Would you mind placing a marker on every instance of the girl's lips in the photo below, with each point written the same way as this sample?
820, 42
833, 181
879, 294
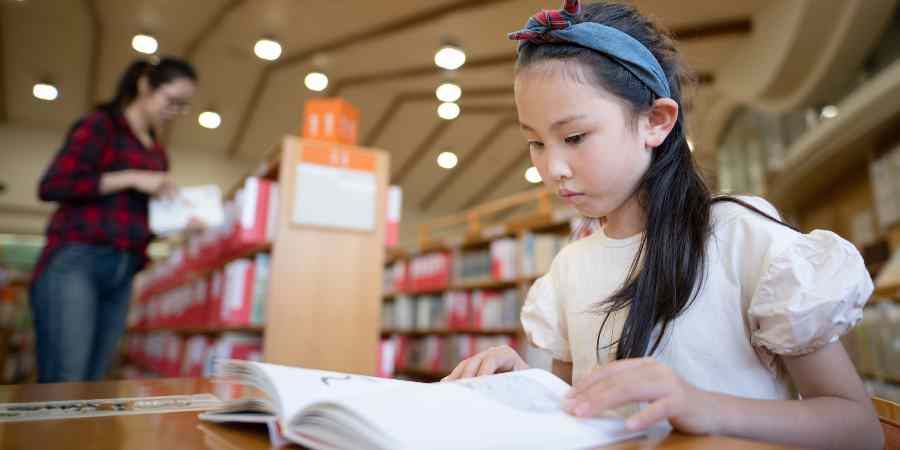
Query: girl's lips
568, 194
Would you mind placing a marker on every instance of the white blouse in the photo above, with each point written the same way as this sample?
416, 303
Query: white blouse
768, 290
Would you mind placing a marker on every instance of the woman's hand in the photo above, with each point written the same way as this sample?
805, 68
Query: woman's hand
619, 383
154, 183
493, 360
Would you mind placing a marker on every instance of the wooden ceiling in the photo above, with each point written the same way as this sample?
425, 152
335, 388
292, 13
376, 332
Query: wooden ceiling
378, 55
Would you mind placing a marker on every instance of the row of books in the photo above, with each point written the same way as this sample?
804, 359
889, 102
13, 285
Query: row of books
233, 296
505, 259
873, 344
885, 174
454, 310
17, 345
173, 355
251, 220
436, 354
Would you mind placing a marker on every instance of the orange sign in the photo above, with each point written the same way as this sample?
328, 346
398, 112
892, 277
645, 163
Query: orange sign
345, 158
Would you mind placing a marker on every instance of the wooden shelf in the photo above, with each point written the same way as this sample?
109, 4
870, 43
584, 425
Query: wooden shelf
471, 285
448, 332
891, 291
878, 300
485, 284
19, 283
394, 254
881, 377
422, 374
200, 330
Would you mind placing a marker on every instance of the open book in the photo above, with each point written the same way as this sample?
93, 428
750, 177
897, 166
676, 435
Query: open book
327, 410
172, 215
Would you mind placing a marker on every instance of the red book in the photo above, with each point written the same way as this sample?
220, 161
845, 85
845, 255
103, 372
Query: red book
258, 208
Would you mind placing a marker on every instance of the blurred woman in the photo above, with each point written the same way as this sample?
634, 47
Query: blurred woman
102, 179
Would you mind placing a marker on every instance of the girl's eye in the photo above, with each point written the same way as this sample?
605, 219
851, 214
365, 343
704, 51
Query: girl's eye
575, 139
535, 145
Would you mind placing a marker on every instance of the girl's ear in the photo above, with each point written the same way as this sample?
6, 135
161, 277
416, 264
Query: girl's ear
143, 86
660, 121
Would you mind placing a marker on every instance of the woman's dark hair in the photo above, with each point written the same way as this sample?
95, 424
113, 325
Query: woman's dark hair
669, 266
166, 70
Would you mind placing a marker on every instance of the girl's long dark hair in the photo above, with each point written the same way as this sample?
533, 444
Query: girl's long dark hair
166, 70
669, 266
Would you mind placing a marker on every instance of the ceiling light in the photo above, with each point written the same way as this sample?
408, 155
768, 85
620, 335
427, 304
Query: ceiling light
532, 175
45, 91
830, 112
316, 81
144, 43
447, 160
448, 92
448, 111
267, 49
450, 57
209, 119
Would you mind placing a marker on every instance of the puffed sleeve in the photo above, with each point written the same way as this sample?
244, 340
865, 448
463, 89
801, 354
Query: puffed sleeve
543, 317
810, 291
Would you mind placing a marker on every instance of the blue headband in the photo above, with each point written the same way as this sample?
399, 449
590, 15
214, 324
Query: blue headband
556, 27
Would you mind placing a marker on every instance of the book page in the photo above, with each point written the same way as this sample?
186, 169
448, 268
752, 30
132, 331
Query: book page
520, 410
293, 388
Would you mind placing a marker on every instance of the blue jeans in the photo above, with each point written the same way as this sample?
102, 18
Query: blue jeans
79, 304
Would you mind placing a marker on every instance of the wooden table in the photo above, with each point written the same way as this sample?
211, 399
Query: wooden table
175, 431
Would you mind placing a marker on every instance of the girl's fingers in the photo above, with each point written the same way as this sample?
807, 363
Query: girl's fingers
472, 367
457, 371
607, 371
656, 411
488, 367
621, 389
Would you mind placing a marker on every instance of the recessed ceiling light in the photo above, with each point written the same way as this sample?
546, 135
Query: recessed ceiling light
532, 175
450, 57
144, 43
447, 160
316, 81
448, 111
209, 119
448, 92
830, 112
45, 91
267, 49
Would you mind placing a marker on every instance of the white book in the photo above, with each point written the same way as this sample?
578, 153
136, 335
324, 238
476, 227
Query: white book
329, 410
172, 215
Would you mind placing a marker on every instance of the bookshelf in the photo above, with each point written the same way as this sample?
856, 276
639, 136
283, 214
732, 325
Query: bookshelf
472, 234
310, 268
17, 353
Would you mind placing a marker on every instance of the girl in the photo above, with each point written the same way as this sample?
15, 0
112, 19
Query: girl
710, 310
103, 177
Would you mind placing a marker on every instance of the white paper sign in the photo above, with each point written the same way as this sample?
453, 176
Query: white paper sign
334, 197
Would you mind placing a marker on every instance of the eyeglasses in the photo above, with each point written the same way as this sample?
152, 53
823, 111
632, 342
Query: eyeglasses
177, 104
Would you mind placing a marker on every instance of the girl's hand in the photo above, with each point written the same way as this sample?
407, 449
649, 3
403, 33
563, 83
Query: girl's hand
493, 360
688, 409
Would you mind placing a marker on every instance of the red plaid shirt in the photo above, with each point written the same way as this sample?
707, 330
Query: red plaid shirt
99, 143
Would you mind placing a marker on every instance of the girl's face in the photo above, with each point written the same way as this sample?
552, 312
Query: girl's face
582, 140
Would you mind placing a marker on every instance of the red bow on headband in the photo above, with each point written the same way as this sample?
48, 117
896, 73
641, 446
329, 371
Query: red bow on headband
541, 24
